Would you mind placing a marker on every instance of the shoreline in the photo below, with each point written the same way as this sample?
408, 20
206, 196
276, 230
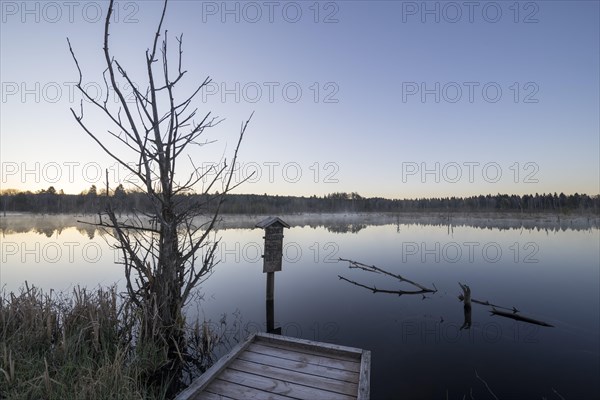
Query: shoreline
24, 222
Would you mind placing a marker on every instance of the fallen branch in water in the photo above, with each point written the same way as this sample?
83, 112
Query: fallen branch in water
375, 290
466, 298
461, 297
519, 317
374, 269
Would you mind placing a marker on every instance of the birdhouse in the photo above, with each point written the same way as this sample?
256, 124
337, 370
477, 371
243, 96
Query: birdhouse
273, 255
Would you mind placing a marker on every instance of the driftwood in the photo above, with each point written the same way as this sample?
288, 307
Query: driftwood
375, 290
374, 269
465, 297
485, 303
519, 317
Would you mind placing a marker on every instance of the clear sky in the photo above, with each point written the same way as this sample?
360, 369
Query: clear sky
385, 98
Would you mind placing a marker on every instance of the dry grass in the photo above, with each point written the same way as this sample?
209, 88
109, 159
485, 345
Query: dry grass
81, 346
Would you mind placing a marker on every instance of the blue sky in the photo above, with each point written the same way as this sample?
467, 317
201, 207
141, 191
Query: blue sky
389, 98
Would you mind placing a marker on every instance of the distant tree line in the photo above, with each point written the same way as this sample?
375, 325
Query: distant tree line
124, 201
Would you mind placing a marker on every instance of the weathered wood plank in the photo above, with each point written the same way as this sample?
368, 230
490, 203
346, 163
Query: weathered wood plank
305, 357
237, 391
319, 382
311, 369
341, 352
281, 387
364, 384
210, 396
268, 366
202, 381
310, 350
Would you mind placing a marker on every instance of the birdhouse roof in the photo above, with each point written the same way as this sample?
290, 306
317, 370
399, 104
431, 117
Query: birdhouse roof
271, 221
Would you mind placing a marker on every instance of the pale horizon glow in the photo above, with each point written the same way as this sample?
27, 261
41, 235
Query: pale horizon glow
386, 99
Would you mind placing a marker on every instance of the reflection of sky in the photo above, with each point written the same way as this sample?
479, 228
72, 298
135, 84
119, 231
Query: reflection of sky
413, 350
369, 54
58, 262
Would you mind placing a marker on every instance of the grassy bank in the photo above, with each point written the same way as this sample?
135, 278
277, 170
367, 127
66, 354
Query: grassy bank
81, 345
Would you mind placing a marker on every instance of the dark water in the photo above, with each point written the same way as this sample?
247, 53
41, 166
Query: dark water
418, 348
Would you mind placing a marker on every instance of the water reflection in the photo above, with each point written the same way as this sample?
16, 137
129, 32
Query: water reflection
47, 225
421, 347
466, 299
345, 228
88, 230
50, 225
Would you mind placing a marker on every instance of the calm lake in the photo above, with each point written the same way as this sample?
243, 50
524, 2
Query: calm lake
549, 269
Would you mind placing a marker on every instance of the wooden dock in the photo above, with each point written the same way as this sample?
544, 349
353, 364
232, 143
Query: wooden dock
267, 366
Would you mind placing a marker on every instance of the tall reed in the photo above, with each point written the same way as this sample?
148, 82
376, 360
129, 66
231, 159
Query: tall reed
82, 345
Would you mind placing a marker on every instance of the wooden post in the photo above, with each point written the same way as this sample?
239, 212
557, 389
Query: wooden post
270, 286
271, 304
272, 262
271, 318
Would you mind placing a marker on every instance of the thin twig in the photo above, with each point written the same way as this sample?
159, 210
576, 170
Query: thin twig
486, 385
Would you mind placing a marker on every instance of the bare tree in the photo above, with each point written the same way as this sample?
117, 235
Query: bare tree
166, 251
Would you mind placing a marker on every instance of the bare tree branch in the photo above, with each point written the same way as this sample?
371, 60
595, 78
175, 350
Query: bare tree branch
375, 290
161, 252
372, 268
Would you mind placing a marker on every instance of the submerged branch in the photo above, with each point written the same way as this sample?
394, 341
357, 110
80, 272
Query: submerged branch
372, 268
487, 303
375, 290
519, 317
466, 298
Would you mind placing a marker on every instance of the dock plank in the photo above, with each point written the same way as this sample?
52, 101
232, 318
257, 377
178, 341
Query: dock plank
210, 396
287, 375
204, 379
284, 388
267, 366
311, 369
364, 383
308, 347
239, 391
353, 366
